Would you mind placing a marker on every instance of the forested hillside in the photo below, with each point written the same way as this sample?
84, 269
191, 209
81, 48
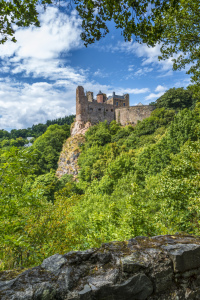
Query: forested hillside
141, 180
18, 137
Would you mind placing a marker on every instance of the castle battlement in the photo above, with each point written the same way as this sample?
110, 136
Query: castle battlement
115, 107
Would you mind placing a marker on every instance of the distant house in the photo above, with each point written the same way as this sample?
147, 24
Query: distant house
29, 144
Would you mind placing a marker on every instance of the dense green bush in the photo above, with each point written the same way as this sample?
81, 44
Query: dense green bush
49, 145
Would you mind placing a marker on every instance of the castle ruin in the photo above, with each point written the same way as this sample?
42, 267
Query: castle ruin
90, 111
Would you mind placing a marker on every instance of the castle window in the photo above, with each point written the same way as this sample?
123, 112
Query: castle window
123, 104
106, 109
111, 109
99, 109
91, 109
117, 103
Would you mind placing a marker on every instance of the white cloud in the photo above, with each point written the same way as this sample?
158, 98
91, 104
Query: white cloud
149, 55
160, 88
21, 105
143, 71
153, 96
165, 74
130, 68
38, 54
38, 50
25, 104
101, 74
183, 83
58, 32
132, 91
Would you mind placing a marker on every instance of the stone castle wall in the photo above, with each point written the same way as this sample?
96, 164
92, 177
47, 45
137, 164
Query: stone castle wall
132, 114
99, 112
90, 111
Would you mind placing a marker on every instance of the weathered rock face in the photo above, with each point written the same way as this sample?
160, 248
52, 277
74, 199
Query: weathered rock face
157, 268
79, 127
68, 161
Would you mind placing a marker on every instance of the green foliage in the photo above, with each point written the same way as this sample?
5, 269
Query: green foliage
49, 145
15, 201
177, 191
61, 121
48, 185
98, 152
117, 216
159, 117
180, 35
31, 227
174, 24
141, 191
98, 135
18, 142
176, 98
141, 180
121, 133
22, 13
154, 158
35, 130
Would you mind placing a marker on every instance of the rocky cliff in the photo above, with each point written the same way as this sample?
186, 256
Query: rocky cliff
67, 163
157, 268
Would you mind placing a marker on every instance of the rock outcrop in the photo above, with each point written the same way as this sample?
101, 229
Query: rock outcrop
68, 161
157, 268
79, 127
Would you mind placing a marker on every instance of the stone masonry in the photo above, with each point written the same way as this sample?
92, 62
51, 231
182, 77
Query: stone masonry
90, 111
142, 268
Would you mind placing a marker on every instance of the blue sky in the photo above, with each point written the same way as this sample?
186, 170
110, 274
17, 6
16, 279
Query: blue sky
39, 74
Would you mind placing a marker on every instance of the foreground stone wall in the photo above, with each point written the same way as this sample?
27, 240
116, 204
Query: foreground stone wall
157, 268
132, 114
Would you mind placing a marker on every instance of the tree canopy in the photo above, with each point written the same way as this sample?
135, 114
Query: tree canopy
176, 98
174, 24
49, 146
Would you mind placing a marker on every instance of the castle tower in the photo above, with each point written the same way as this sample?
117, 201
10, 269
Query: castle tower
100, 97
104, 97
89, 96
81, 105
126, 97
